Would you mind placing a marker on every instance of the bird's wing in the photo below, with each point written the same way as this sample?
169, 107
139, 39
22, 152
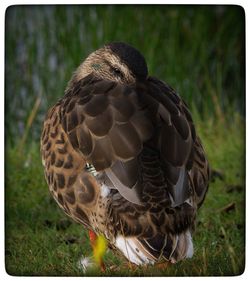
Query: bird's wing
175, 174
174, 139
189, 155
116, 127
106, 124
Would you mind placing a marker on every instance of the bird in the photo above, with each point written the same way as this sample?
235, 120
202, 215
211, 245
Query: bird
122, 157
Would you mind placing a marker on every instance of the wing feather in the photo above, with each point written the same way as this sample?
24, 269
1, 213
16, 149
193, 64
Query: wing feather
111, 124
105, 122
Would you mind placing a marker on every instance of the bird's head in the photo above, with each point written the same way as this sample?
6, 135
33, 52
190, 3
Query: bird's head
115, 61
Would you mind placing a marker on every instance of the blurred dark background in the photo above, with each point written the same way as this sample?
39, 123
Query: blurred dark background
198, 50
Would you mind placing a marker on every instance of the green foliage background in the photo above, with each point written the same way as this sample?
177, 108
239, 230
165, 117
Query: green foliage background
198, 50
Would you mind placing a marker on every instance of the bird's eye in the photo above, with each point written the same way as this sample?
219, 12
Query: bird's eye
117, 71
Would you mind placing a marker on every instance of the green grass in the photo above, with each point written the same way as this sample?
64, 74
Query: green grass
198, 50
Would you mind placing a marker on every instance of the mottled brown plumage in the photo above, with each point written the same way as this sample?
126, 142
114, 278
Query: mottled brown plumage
122, 157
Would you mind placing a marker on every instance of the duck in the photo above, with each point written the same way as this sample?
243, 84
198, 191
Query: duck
121, 156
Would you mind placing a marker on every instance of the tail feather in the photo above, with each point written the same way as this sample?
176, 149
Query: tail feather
184, 248
133, 250
172, 248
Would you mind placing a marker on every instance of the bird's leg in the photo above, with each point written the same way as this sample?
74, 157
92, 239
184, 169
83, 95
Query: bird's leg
92, 238
94, 244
